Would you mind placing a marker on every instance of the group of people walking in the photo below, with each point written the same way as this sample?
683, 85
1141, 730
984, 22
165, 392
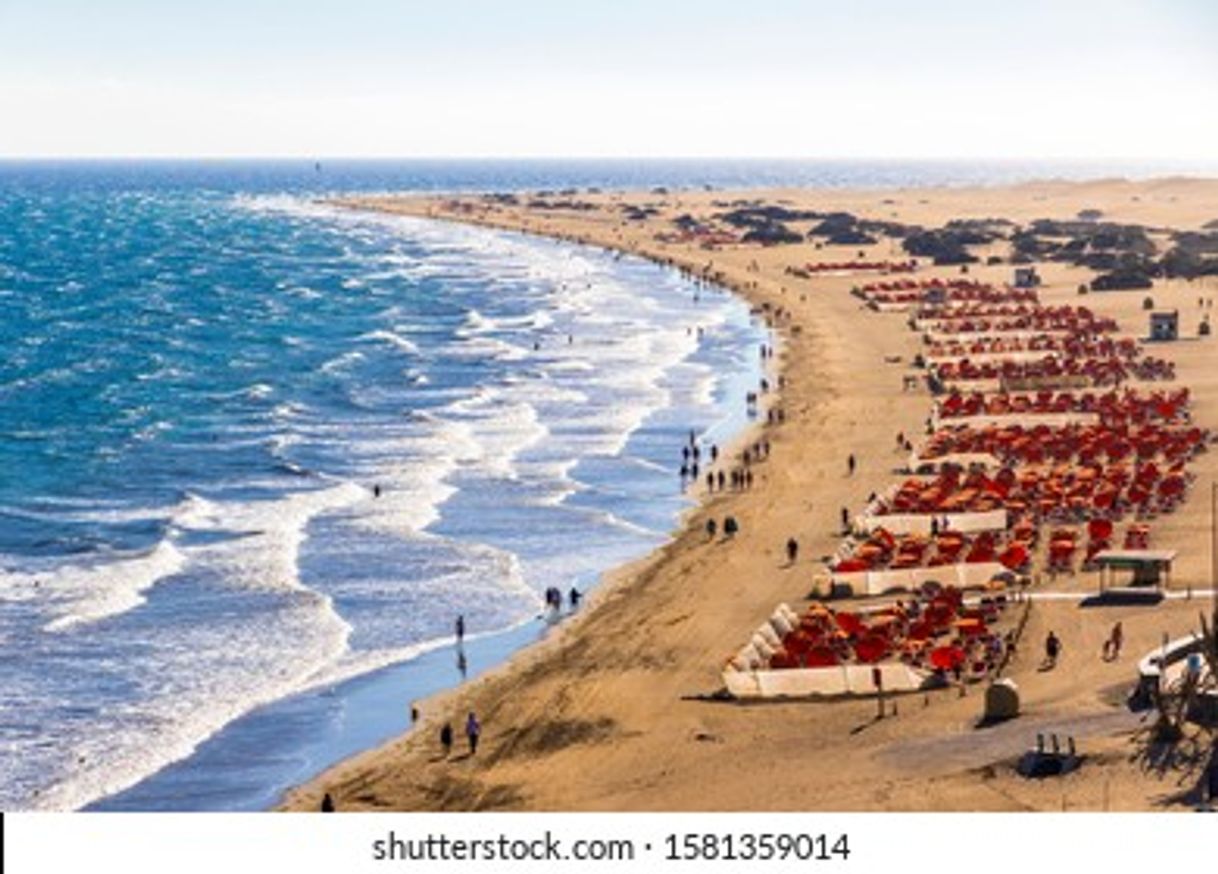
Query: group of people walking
730, 527
473, 732
554, 598
739, 478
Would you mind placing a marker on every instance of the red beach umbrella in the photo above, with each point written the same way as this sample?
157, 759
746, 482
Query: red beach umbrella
947, 657
871, 649
849, 623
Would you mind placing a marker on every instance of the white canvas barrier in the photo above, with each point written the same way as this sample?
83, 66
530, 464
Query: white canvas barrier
892, 306
1058, 382
1027, 420
968, 386
809, 682
960, 459
962, 576
765, 640
1019, 357
921, 523
932, 329
872, 518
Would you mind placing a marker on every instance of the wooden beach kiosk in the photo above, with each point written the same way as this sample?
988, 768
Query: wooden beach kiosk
1151, 568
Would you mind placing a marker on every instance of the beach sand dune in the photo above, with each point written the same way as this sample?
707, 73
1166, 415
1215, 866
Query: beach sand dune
612, 711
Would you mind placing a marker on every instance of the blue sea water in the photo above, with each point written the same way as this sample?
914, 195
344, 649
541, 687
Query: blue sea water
205, 375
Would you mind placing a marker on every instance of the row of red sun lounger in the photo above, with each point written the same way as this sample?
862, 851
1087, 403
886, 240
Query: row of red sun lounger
1076, 345
1111, 407
934, 630
1096, 371
1085, 444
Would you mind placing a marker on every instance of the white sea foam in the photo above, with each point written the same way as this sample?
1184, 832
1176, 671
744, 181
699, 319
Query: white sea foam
80, 593
413, 466
393, 339
225, 665
287, 411
267, 633
481, 346
499, 428
210, 676
196, 513
476, 323
342, 362
258, 391
265, 557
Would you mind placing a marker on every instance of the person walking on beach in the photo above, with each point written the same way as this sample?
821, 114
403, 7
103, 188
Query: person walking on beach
730, 527
473, 730
792, 550
1112, 646
460, 627
710, 529
1053, 649
845, 520
720, 478
850, 464
327, 803
446, 738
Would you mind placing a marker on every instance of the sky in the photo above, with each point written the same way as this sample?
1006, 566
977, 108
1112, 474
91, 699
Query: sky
516, 78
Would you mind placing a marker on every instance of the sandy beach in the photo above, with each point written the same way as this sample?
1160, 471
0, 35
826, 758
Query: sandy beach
614, 710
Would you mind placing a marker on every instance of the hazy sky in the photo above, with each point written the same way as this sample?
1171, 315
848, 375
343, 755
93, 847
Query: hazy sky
847, 78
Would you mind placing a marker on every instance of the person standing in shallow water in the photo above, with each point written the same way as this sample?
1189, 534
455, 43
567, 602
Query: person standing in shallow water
473, 731
460, 627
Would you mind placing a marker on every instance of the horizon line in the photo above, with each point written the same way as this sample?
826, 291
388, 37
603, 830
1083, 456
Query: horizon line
1201, 159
